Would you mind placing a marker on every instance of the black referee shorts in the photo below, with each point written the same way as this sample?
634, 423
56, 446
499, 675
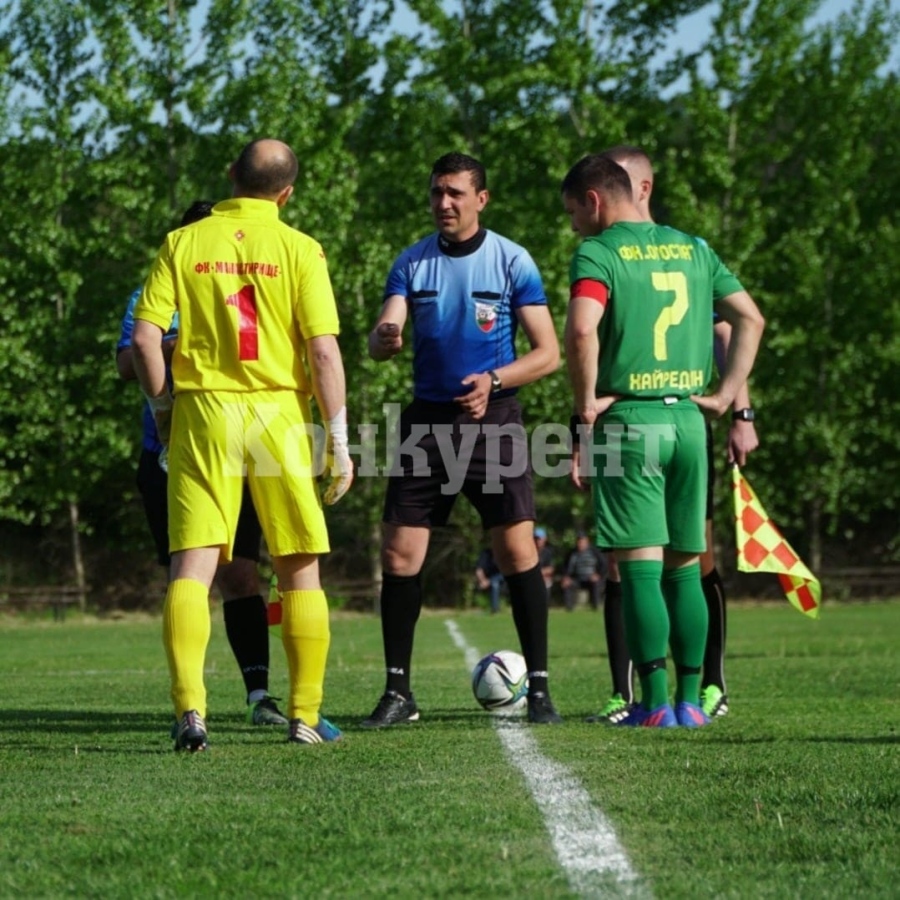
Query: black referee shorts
443, 452
152, 483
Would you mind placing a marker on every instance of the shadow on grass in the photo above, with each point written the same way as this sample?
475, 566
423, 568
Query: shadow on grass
98, 723
73, 721
106, 733
452, 717
705, 737
600, 652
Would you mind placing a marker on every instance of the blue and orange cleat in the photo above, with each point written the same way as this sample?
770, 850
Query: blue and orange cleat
301, 733
690, 716
640, 717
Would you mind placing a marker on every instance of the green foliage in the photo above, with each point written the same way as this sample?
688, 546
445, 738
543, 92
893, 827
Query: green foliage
821, 270
773, 141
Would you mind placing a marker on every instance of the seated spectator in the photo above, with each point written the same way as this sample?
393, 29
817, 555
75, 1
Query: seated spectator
585, 569
545, 558
488, 578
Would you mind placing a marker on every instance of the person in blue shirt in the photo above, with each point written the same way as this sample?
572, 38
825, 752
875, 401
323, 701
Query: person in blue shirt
467, 290
245, 612
489, 578
585, 569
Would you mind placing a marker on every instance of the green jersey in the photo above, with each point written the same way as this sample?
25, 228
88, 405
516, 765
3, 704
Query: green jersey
656, 331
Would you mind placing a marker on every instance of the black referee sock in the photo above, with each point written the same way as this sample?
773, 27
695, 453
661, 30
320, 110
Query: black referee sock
528, 599
620, 666
247, 627
401, 603
714, 657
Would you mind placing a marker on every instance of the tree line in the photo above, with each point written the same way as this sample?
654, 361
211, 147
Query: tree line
777, 140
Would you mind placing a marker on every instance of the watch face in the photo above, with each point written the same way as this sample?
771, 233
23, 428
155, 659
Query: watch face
744, 415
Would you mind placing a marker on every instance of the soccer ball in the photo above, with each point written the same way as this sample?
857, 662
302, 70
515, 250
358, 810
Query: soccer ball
500, 682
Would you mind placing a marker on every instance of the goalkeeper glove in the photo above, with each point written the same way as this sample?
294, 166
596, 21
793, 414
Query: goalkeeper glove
161, 408
338, 465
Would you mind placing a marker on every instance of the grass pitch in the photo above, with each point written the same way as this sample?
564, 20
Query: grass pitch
793, 794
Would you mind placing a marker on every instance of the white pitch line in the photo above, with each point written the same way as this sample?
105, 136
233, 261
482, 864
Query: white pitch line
584, 840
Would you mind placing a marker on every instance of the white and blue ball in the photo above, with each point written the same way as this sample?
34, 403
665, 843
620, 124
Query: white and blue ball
500, 682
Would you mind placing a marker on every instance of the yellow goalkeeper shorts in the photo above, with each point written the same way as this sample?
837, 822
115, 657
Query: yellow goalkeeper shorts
218, 439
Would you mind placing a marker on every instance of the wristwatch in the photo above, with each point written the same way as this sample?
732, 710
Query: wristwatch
743, 415
496, 383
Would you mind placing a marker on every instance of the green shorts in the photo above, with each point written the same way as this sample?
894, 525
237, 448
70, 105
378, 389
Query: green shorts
650, 472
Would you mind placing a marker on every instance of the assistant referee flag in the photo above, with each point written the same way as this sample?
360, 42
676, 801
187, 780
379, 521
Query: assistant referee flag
761, 548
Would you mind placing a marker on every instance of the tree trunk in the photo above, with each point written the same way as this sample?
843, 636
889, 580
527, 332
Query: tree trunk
77, 558
815, 536
375, 563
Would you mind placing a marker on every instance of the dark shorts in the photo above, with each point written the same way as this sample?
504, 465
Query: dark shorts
151, 482
711, 474
486, 461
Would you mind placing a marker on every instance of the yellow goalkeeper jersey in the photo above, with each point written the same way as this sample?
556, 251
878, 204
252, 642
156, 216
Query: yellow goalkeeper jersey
249, 291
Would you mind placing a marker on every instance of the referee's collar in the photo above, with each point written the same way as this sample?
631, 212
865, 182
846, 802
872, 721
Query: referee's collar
462, 248
241, 206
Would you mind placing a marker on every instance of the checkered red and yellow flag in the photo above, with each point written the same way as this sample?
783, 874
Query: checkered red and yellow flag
761, 548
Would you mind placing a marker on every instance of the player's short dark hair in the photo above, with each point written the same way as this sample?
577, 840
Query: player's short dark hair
198, 210
596, 172
264, 176
452, 163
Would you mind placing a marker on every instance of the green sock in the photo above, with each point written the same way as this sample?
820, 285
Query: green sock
646, 627
689, 619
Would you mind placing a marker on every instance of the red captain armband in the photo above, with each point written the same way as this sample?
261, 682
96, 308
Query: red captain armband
587, 287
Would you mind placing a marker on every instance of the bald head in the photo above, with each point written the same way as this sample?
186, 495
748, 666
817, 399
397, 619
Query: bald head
264, 170
640, 171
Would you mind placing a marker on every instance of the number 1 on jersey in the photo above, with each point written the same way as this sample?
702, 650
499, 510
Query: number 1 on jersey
248, 333
671, 315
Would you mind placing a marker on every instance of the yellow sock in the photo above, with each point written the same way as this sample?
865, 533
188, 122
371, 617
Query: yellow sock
186, 627
306, 635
